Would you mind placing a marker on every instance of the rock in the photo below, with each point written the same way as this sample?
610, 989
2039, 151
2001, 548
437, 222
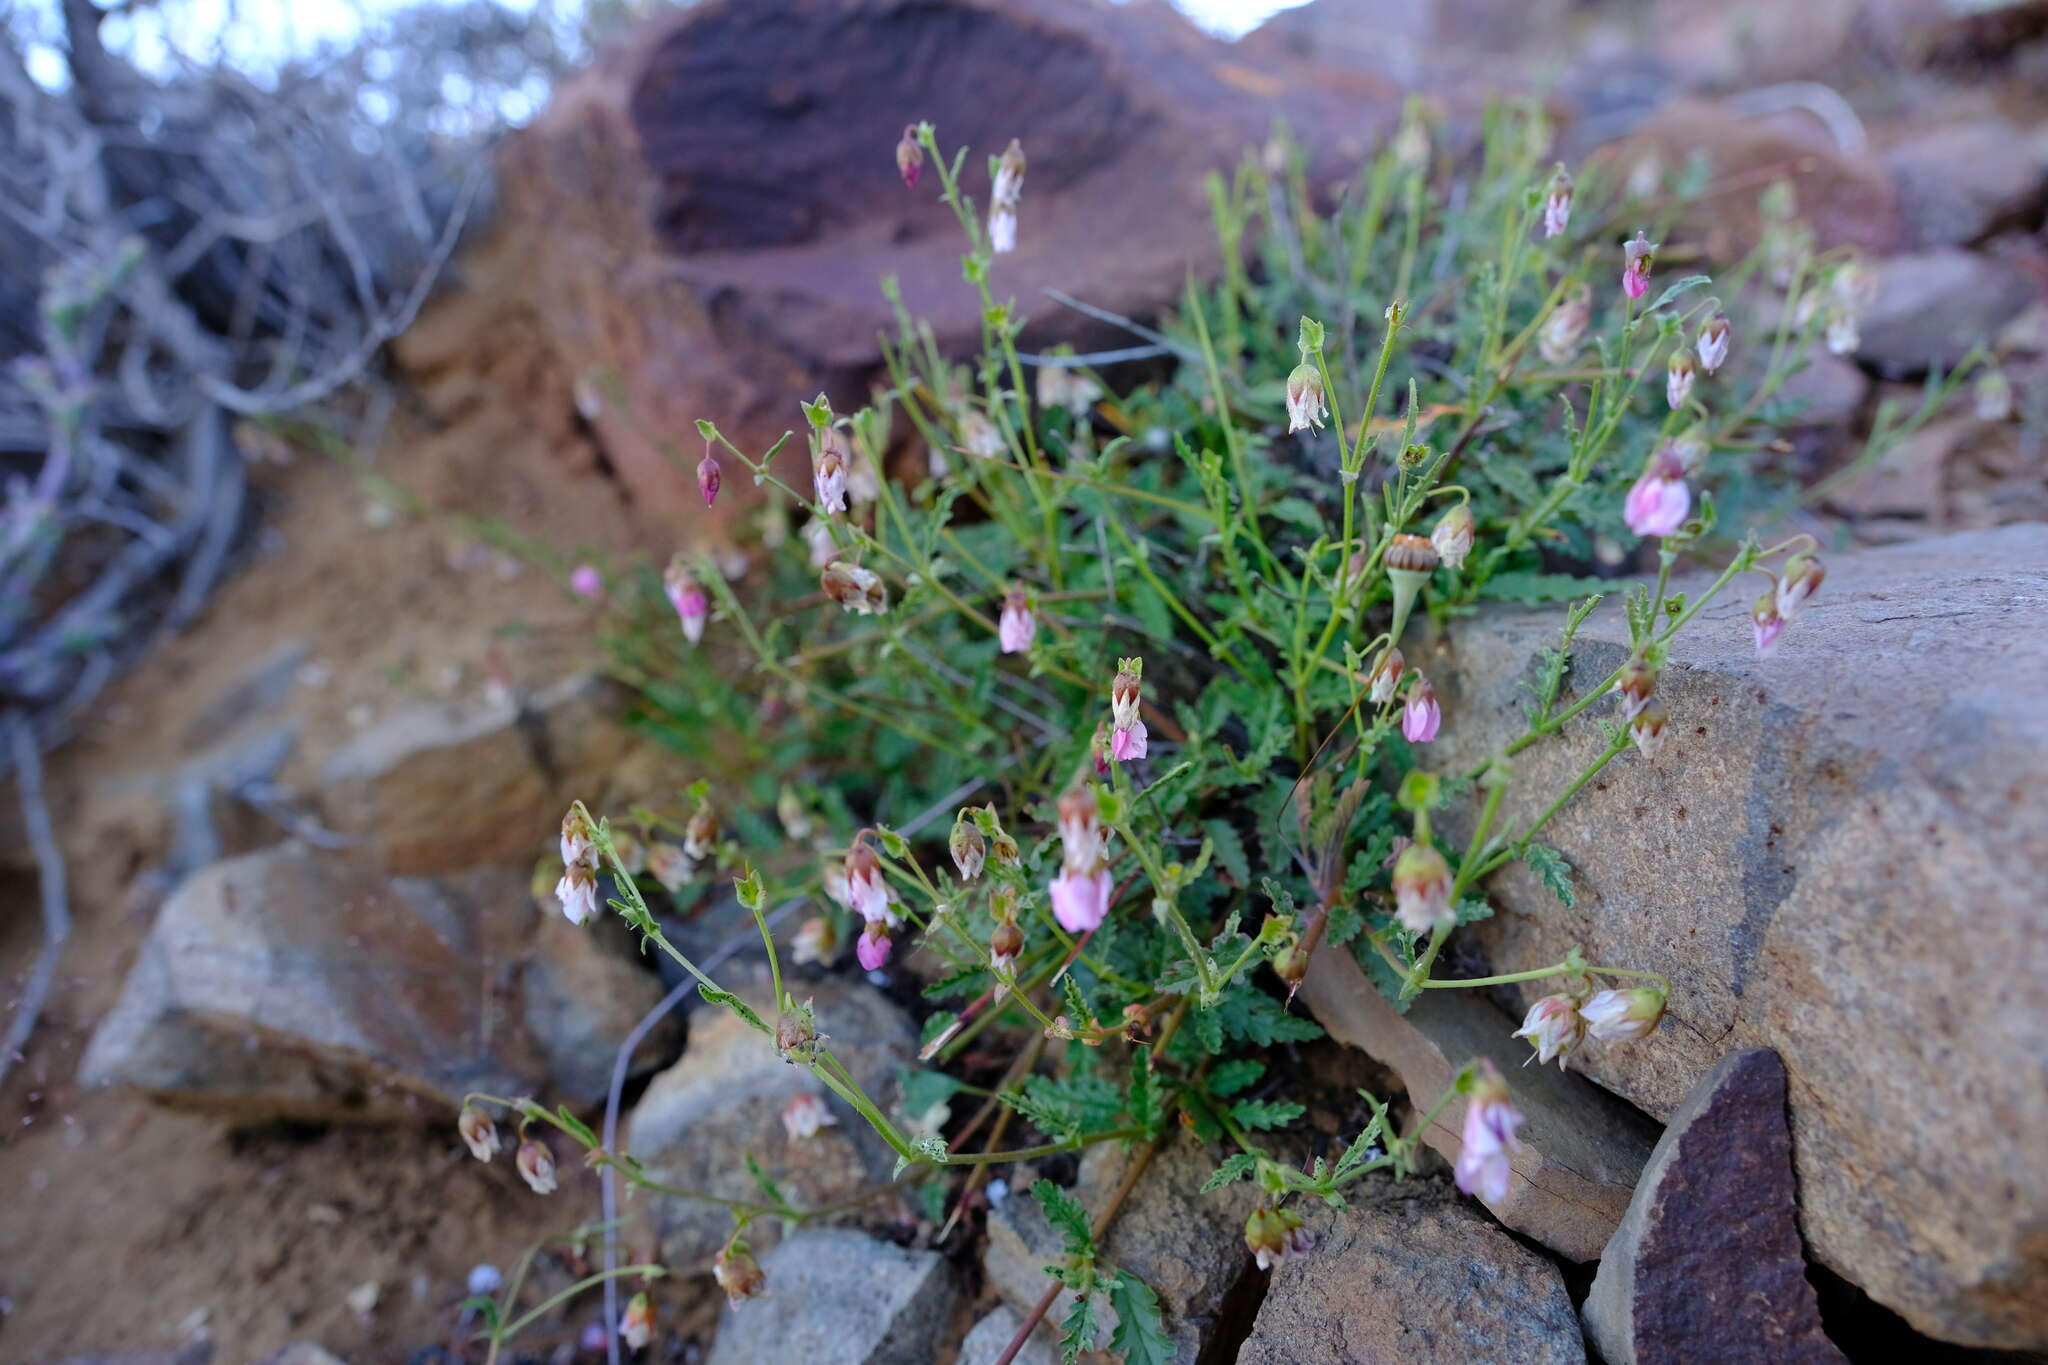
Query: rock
1581, 1149
1188, 1246
707, 233
1931, 307
1847, 198
1911, 479
301, 1353
1707, 1266
293, 983
1409, 43
433, 787
700, 1119
1837, 857
1963, 182
581, 993
1413, 1277
1829, 391
993, 1334
1750, 43
840, 1296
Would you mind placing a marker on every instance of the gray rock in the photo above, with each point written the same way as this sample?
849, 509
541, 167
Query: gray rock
1827, 393
699, 1120
1838, 856
435, 786
1582, 1150
997, 1330
292, 983
1707, 1267
1413, 1277
1188, 1246
835, 1296
1959, 183
1931, 307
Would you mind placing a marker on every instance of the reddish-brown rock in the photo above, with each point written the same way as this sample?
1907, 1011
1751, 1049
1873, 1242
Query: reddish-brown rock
702, 219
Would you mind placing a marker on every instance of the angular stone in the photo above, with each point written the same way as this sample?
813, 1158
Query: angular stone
1581, 1149
432, 787
581, 993
1931, 307
293, 983
1413, 1274
1829, 390
734, 218
1707, 1267
1188, 1246
1960, 183
699, 1120
997, 1329
1838, 856
839, 1295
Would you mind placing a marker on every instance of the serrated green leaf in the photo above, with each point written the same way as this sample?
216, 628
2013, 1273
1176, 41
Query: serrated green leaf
1556, 873
1235, 1167
1251, 1016
735, 1004
1143, 1099
921, 1090
1140, 1337
1229, 852
1264, 1114
1230, 1077
956, 983
1077, 1330
1066, 1215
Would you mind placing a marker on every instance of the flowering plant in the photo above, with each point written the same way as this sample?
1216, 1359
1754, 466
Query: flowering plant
1146, 650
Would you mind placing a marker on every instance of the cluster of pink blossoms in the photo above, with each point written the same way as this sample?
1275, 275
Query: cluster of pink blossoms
1556, 1024
1780, 602
535, 1163
1421, 714
1080, 894
858, 884
577, 890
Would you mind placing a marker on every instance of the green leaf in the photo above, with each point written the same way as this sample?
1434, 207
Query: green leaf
1140, 1337
576, 1126
1343, 925
1521, 585
735, 1004
1235, 1167
1077, 1331
1556, 873
956, 983
1067, 1107
1152, 611
1251, 1016
1229, 852
1142, 1097
764, 1183
1230, 1077
1263, 1114
1472, 909
1065, 1213
1678, 287
922, 1090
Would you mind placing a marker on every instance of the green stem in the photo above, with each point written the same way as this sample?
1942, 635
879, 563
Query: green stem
517, 1325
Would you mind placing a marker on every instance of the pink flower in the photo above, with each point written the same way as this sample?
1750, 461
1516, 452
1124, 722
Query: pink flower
1080, 826
1386, 676
1564, 331
805, 1114
1801, 578
1637, 684
687, 596
1647, 729
1018, 626
737, 1273
1637, 257
479, 1134
909, 156
578, 836
1422, 889
1679, 372
1421, 716
1124, 693
1713, 344
1080, 900
577, 891
816, 941
636, 1328
1452, 536
1618, 1015
1305, 398
536, 1167
828, 471
1127, 742
855, 587
708, 475
1553, 1028
1003, 197
1484, 1163
1768, 624
873, 946
1660, 500
867, 891
1557, 203
586, 581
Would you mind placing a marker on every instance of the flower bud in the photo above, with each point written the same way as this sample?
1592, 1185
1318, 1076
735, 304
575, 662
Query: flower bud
1557, 202
586, 581
1767, 623
1637, 684
795, 1032
817, 940
1452, 537
873, 947
978, 435
1018, 626
1305, 406
1004, 946
1800, 579
1613, 1016
579, 837
479, 1134
636, 1328
909, 156
968, 848
1420, 715
805, 1114
1484, 1163
708, 478
1564, 331
670, 866
1647, 729
857, 589
1993, 396
1080, 826
1679, 372
687, 596
1637, 257
1003, 198
1422, 890
1273, 1235
1660, 500
829, 471
1713, 342
1080, 900
1553, 1028
1124, 692
536, 1166
577, 891
867, 891
1386, 676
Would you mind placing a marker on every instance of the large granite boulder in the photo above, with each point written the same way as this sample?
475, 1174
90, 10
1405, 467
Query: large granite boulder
1839, 856
296, 983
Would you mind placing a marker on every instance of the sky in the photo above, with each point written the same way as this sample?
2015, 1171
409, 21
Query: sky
259, 34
